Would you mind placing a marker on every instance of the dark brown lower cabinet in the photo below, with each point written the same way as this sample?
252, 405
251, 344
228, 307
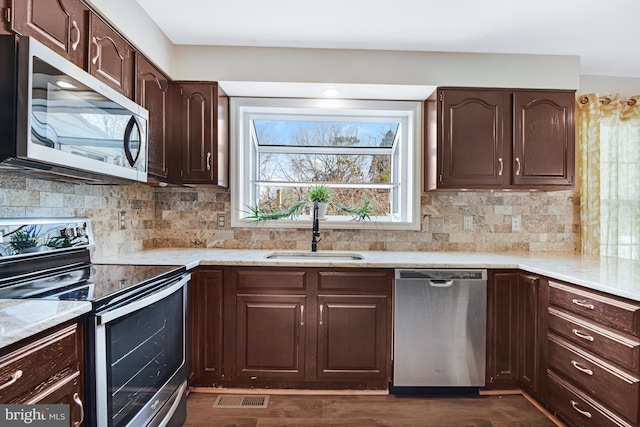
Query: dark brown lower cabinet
502, 331
270, 337
515, 332
205, 298
352, 337
306, 328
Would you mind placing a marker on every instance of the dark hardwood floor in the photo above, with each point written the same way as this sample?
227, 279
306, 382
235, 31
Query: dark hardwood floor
364, 410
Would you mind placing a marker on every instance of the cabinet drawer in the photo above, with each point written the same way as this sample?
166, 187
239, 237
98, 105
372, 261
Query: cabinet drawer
31, 370
578, 408
615, 388
365, 281
262, 280
620, 314
602, 341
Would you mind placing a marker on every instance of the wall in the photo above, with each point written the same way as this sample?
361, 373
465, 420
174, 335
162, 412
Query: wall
22, 197
605, 85
186, 217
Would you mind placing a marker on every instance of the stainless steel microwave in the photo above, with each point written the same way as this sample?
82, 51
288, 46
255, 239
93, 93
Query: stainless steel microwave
59, 121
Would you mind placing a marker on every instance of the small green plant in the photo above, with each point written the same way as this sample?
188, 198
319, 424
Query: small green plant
319, 193
292, 212
359, 213
22, 239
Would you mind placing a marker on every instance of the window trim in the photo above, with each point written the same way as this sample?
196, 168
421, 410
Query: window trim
241, 155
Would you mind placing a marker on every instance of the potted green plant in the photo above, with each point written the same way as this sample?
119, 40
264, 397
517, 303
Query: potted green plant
320, 193
25, 240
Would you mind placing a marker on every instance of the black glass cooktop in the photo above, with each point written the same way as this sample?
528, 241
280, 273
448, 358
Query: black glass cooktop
88, 282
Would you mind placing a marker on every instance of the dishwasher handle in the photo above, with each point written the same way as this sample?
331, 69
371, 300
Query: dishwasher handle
441, 283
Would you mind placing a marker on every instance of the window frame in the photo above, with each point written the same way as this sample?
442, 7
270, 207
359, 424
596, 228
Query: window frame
243, 156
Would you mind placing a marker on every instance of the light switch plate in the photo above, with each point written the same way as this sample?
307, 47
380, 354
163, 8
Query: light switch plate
436, 225
468, 222
516, 223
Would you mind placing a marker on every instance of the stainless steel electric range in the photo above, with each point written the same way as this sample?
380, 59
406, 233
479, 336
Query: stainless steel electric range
135, 334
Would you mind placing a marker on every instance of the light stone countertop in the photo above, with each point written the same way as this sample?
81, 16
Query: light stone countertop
612, 275
21, 319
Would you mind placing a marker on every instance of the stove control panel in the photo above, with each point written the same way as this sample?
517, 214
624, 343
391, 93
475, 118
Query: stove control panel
24, 236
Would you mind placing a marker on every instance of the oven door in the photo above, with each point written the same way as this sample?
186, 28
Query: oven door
140, 357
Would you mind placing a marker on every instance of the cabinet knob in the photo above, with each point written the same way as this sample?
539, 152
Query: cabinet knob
94, 42
574, 405
583, 303
12, 379
581, 368
78, 401
76, 42
582, 335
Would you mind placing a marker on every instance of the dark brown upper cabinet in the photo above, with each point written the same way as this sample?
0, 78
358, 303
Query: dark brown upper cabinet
500, 139
59, 24
200, 132
152, 93
111, 58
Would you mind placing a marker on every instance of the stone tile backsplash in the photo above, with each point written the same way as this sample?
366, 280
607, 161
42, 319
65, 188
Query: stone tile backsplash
187, 218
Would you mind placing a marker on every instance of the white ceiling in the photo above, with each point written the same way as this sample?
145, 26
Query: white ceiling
603, 33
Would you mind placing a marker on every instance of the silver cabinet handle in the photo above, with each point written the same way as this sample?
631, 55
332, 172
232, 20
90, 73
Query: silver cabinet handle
209, 161
14, 377
94, 42
74, 26
517, 165
581, 368
583, 303
321, 314
574, 404
301, 314
582, 335
78, 401
501, 166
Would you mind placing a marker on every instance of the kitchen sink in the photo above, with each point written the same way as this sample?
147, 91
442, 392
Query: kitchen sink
324, 256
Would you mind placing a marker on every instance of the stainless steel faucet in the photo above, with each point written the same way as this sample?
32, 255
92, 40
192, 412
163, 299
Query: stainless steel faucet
316, 228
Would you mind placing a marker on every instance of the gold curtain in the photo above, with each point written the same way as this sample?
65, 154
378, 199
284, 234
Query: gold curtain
609, 140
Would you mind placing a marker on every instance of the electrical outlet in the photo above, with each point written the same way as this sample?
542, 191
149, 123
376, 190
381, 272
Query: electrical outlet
436, 225
122, 220
468, 222
222, 221
516, 223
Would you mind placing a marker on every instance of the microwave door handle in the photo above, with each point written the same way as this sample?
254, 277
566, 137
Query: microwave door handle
109, 315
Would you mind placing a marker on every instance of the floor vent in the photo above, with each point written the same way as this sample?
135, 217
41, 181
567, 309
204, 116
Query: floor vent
237, 401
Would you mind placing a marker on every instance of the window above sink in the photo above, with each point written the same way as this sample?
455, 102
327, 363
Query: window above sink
359, 149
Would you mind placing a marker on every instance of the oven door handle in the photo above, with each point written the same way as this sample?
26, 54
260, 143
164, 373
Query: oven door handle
109, 315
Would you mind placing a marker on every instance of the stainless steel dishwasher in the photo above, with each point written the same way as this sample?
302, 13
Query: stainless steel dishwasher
439, 329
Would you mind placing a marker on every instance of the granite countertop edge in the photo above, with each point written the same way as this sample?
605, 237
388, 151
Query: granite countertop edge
23, 318
616, 276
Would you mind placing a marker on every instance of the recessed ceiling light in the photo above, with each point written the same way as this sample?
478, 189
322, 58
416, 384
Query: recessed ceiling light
65, 85
331, 92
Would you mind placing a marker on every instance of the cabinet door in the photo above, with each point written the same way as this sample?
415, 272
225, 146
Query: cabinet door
206, 327
352, 338
59, 24
67, 392
202, 134
474, 126
270, 337
502, 369
110, 57
544, 138
152, 93
528, 327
